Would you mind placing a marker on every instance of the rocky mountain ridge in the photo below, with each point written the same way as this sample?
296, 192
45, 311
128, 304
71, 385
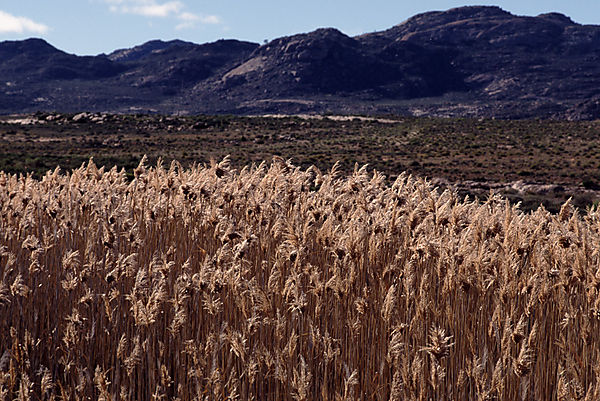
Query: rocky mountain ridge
468, 61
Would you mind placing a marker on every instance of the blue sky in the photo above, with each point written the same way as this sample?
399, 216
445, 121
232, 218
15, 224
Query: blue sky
100, 26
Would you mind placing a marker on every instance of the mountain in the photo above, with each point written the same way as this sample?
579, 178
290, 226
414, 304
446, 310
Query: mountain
34, 60
525, 63
467, 61
175, 65
39, 77
327, 63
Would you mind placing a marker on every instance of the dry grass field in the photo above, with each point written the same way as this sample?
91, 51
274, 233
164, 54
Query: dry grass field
560, 158
276, 282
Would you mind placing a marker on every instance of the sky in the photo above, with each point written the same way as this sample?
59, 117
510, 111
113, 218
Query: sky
89, 27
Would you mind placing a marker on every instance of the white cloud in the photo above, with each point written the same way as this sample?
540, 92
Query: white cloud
12, 24
146, 8
189, 20
154, 8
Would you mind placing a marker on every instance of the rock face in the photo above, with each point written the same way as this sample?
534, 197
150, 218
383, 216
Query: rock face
503, 55
173, 66
467, 61
327, 62
142, 51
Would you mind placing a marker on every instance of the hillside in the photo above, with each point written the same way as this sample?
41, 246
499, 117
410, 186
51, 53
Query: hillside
468, 61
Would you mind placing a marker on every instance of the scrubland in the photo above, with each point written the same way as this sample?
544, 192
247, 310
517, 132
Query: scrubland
561, 158
276, 282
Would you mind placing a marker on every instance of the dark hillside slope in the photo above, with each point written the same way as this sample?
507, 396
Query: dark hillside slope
468, 61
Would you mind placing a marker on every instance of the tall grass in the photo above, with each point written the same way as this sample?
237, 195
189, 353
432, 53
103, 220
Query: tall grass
276, 283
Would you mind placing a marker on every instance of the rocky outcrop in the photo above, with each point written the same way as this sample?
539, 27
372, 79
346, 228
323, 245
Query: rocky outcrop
176, 65
150, 48
586, 110
327, 62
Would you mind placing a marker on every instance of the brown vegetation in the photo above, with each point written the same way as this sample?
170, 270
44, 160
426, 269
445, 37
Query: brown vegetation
532, 162
278, 283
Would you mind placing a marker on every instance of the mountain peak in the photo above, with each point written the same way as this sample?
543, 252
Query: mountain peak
478, 11
320, 34
457, 14
327, 32
32, 45
557, 17
141, 51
